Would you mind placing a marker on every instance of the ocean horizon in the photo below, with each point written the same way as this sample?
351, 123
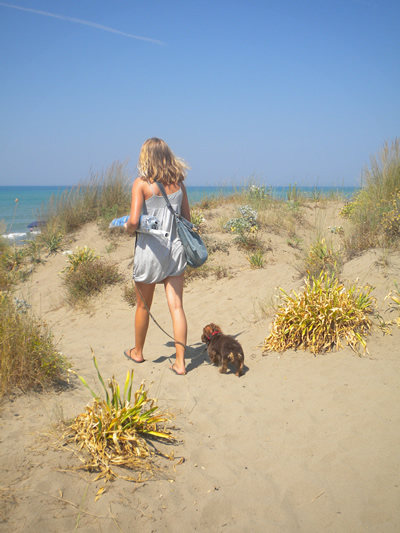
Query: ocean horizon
22, 205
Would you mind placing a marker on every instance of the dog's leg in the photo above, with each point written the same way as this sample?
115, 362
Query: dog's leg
224, 365
239, 369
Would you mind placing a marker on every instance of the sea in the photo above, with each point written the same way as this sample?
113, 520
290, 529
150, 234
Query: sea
21, 207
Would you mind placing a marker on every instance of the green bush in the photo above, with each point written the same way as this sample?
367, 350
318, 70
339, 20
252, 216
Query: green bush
374, 210
28, 356
89, 279
83, 254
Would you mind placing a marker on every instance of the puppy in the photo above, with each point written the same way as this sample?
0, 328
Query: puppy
223, 349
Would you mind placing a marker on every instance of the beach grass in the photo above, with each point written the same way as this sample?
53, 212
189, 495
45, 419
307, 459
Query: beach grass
375, 210
29, 358
103, 196
373, 218
88, 278
322, 317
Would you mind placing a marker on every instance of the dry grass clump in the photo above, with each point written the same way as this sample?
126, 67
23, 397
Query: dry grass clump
375, 210
28, 356
394, 304
321, 257
130, 294
197, 273
320, 318
114, 432
102, 196
88, 279
87, 274
16, 262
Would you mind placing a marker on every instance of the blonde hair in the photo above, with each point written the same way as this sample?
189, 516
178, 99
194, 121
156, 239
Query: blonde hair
158, 163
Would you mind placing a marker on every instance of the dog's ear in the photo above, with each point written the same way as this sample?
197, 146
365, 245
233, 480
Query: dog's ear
215, 328
208, 330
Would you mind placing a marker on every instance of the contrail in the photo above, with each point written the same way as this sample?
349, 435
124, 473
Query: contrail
84, 22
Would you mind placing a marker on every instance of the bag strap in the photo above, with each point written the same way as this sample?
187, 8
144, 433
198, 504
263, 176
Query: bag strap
163, 192
174, 213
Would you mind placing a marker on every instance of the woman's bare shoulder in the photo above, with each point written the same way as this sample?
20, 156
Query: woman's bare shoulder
139, 185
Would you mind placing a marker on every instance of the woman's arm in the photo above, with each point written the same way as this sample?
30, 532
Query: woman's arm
185, 208
136, 206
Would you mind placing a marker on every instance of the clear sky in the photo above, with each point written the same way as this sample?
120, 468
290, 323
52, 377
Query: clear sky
282, 90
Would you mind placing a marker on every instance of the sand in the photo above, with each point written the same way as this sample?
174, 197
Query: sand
299, 443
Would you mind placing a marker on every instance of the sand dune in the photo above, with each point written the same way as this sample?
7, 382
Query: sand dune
299, 443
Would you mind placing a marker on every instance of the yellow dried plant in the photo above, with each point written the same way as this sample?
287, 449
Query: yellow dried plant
322, 317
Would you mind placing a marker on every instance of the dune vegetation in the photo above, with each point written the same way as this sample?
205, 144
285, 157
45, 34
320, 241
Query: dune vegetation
370, 219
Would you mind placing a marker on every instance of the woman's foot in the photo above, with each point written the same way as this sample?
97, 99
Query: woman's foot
178, 371
130, 354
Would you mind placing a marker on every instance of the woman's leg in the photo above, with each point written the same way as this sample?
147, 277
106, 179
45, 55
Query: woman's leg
174, 292
145, 290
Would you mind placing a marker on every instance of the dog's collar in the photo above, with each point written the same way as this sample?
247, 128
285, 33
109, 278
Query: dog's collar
213, 333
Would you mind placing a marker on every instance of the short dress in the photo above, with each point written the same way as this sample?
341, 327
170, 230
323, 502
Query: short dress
157, 257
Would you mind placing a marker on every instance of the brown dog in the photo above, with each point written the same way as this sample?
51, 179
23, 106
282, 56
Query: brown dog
223, 349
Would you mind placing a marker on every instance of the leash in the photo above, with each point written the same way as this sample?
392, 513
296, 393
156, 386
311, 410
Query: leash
162, 329
155, 321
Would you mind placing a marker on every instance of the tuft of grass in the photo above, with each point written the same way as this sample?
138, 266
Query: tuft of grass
257, 259
130, 294
114, 432
208, 202
214, 245
294, 241
83, 254
103, 195
394, 304
321, 258
51, 239
197, 273
28, 355
293, 194
89, 279
197, 217
322, 317
16, 262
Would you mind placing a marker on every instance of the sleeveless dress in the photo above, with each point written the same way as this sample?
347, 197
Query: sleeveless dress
158, 257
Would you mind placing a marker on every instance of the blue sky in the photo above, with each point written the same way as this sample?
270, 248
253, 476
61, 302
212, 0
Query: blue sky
285, 91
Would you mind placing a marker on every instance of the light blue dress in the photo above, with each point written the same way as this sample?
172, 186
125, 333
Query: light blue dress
158, 257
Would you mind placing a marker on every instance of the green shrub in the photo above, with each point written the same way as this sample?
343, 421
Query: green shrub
321, 257
246, 223
82, 255
197, 217
51, 238
257, 259
374, 209
89, 279
28, 356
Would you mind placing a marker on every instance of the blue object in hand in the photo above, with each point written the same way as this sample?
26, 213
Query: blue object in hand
117, 222
146, 222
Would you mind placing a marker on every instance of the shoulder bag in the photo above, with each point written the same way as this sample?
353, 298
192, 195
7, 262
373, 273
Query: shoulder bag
195, 249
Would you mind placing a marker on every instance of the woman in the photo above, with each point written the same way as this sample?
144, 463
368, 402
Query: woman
159, 259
